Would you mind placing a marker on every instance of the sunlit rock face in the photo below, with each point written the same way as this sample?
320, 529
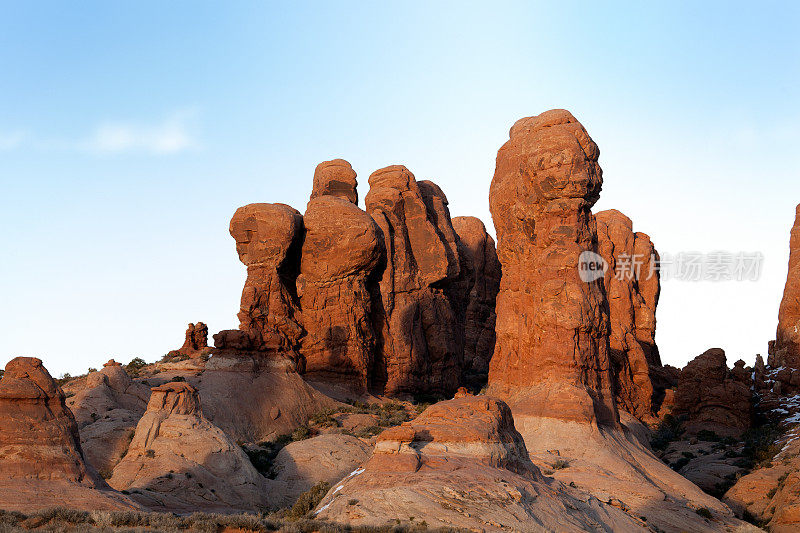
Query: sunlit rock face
633, 286
551, 353
786, 349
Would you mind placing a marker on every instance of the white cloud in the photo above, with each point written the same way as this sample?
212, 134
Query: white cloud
170, 136
11, 140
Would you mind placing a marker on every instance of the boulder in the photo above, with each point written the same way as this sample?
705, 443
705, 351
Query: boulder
41, 461
712, 397
337, 179
107, 409
303, 464
480, 277
178, 461
632, 285
462, 464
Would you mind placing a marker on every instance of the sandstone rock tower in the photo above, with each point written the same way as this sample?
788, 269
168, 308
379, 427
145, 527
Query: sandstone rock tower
786, 350
341, 251
419, 349
268, 239
479, 284
38, 434
633, 286
41, 460
551, 357
391, 300
551, 361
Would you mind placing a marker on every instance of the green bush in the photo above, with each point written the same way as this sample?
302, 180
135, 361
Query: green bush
668, 430
324, 419
560, 464
136, 364
760, 444
309, 500
301, 433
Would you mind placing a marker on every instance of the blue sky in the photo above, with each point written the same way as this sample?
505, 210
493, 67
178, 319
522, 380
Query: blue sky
131, 131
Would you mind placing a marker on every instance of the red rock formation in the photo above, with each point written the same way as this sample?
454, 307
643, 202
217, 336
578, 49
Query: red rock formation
335, 178
178, 461
107, 407
480, 273
41, 461
38, 434
552, 329
633, 286
268, 239
195, 343
342, 248
786, 351
419, 350
551, 361
712, 397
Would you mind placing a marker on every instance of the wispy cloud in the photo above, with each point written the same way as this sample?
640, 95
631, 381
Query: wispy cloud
168, 137
172, 135
11, 140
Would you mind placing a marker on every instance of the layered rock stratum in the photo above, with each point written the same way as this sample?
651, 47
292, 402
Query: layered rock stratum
41, 459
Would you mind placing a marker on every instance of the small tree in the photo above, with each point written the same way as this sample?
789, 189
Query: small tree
135, 365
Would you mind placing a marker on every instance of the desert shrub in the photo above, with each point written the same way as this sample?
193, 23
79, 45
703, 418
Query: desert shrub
136, 364
560, 464
680, 463
705, 513
368, 432
708, 436
301, 433
64, 379
173, 357
150, 454
324, 419
760, 444
309, 500
668, 430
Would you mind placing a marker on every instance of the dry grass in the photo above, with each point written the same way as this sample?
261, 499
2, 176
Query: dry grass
62, 520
